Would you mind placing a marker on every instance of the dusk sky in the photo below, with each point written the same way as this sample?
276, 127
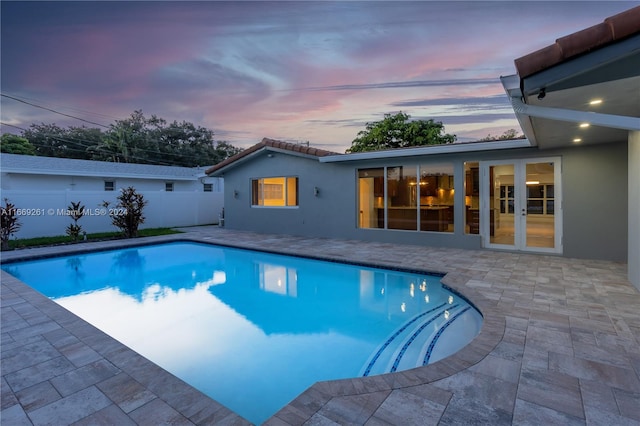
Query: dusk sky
295, 71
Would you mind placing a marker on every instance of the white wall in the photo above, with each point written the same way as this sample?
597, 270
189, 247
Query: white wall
43, 209
633, 261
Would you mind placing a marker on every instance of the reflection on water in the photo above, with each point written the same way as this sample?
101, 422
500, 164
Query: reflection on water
250, 329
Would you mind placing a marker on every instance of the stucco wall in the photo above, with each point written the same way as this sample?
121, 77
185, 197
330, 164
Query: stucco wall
594, 196
634, 209
595, 202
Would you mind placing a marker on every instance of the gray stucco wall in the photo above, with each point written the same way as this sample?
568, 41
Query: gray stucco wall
594, 195
595, 202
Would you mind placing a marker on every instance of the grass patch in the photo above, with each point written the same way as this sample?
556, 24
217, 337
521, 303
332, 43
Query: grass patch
98, 236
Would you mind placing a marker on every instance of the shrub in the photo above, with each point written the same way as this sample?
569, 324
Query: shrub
10, 223
127, 215
75, 211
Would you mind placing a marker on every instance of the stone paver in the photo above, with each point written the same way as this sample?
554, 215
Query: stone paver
560, 344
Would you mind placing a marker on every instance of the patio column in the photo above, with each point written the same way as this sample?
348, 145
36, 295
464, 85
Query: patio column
633, 253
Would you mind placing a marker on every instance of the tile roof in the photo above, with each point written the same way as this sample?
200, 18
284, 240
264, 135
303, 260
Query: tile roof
68, 166
613, 29
272, 143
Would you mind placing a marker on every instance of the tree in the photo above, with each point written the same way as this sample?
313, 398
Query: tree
136, 139
10, 223
398, 131
13, 144
507, 135
127, 215
51, 140
139, 139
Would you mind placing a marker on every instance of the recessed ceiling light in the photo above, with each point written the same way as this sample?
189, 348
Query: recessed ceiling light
577, 140
584, 125
595, 102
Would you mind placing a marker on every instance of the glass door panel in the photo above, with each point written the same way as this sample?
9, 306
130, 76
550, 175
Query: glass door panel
540, 217
502, 205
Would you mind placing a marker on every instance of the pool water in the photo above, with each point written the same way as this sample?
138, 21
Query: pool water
251, 329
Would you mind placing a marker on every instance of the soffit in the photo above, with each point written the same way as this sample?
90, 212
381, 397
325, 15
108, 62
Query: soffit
619, 97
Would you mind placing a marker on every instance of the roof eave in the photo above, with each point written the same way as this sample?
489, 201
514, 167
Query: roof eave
96, 175
453, 148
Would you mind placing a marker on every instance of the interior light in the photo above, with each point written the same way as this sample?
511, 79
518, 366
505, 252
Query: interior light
532, 182
426, 298
450, 299
446, 314
403, 307
584, 125
595, 102
577, 140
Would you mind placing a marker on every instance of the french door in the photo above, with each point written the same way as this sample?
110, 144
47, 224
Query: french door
521, 205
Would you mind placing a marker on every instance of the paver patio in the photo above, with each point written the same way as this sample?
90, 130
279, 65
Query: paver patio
560, 345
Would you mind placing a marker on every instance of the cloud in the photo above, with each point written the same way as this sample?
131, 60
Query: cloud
489, 101
475, 118
405, 84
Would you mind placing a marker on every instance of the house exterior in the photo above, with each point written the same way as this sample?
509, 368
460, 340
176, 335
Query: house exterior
571, 188
43, 187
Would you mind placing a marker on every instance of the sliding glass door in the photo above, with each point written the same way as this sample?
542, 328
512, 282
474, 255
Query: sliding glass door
520, 205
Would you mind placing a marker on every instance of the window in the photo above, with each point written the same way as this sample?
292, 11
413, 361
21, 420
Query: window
207, 187
507, 202
402, 196
371, 198
436, 197
274, 192
109, 185
540, 199
394, 198
168, 186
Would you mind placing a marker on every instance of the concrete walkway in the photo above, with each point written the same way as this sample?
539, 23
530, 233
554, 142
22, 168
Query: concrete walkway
560, 344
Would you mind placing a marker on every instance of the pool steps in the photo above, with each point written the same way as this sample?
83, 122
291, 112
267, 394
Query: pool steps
412, 344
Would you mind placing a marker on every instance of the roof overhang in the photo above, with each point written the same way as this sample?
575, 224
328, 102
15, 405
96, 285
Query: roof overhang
555, 107
109, 175
452, 148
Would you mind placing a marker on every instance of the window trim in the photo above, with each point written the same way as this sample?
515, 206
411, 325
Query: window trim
255, 197
169, 187
109, 188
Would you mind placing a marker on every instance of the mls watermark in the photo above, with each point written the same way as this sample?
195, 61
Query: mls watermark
100, 211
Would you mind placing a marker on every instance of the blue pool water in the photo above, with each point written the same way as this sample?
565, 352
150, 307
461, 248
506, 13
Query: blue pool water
252, 329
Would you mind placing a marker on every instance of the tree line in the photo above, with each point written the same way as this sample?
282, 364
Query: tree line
136, 139
139, 139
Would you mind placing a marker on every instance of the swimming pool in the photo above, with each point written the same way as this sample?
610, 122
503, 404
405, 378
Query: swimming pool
251, 329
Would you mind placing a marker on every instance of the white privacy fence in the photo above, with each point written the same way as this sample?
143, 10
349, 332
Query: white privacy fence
43, 213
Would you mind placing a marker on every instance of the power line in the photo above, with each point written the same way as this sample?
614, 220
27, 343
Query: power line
63, 107
11, 125
53, 110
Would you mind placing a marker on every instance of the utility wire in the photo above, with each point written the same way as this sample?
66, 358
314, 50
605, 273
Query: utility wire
11, 125
53, 110
72, 110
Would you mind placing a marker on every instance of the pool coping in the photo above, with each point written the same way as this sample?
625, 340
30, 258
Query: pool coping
302, 408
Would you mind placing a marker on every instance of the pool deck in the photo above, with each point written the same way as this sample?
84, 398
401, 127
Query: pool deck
560, 344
